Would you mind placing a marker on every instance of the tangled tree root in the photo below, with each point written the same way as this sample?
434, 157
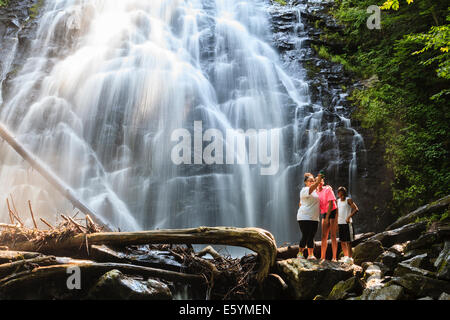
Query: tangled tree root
35, 258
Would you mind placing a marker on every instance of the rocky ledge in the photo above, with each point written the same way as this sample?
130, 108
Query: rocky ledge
405, 263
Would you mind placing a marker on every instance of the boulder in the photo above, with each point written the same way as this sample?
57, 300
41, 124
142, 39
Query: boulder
423, 211
344, 289
444, 296
417, 265
422, 286
389, 259
409, 232
399, 249
309, 278
117, 286
404, 268
374, 270
419, 261
442, 262
387, 292
367, 251
425, 241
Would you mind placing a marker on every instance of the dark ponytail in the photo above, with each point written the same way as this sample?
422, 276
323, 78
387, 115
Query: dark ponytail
343, 190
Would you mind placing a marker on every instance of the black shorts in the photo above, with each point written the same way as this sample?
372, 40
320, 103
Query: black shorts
346, 232
332, 215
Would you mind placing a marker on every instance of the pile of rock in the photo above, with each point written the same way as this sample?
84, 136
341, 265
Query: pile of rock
411, 261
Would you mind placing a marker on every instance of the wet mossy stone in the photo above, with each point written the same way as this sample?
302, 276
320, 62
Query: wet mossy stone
422, 286
444, 296
308, 278
442, 263
367, 251
411, 232
388, 292
114, 285
389, 259
404, 268
345, 289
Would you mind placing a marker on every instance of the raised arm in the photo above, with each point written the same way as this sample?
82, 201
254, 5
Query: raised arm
316, 184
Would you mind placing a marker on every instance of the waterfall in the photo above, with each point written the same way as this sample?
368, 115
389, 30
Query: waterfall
107, 82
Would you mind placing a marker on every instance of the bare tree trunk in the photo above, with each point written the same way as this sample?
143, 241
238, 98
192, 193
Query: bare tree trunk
258, 240
94, 269
40, 167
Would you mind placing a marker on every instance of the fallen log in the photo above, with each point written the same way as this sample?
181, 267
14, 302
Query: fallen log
257, 240
11, 267
92, 269
55, 181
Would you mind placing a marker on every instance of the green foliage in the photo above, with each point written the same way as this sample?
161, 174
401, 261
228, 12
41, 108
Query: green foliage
282, 2
4, 3
34, 10
325, 54
405, 99
435, 217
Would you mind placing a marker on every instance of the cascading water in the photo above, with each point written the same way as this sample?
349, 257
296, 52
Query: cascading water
107, 82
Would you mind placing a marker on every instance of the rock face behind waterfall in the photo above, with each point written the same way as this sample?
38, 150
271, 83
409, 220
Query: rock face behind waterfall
350, 162
408, 262
127, 175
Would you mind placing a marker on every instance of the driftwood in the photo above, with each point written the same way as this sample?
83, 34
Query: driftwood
37, 164
209, 250
11, 267
9, 256
93, 269
258, 240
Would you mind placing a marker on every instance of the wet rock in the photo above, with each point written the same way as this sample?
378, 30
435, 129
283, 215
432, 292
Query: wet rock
388, 292
426, 298
419, 261
344, 289
442, 263
309, 278
444, 296
425, 241
405, 268
389, 259
422, 286
140, 255
399, 248
425, 210
367, 251
374, 270
409, 232
115, 285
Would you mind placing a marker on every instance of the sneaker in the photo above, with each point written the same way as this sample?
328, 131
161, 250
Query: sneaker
300, 256
347, 260
312, 258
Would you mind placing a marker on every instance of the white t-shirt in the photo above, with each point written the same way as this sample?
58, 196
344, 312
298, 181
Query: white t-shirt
344, 210
309, 209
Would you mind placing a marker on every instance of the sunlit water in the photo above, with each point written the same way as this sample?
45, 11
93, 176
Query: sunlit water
107, 82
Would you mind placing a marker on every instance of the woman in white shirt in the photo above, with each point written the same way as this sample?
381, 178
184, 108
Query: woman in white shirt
308, 214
